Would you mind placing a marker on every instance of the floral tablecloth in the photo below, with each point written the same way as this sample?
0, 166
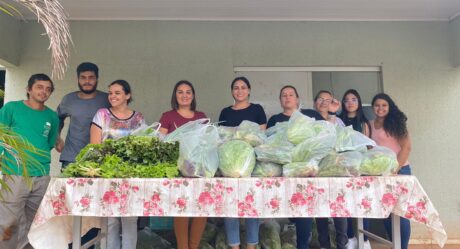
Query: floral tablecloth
371, 197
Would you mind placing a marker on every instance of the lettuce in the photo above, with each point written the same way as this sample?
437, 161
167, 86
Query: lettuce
313, 149
237, 159
340, 164
300, 169
250, 132
378, 161
349, 139
267, 169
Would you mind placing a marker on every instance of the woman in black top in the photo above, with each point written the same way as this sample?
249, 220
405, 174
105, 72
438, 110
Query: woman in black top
242, 109
353, 114
289, 100
232, 116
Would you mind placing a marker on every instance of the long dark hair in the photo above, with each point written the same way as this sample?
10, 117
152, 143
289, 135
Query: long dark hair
360, 118
395, 121
174, 103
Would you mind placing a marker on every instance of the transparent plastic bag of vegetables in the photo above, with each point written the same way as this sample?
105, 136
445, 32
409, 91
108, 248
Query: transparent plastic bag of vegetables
267, 169
147, 130
314, 148
237, 159
349, 139
226, 133
276, 150
189, 127
300, 128
378, 161
300, 169
250, 132
198, 152
340, 164
279, 128
270, 234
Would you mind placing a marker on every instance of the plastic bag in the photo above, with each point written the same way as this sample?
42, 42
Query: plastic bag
146, 239
314, 149
221, 240
378, 161
237, 159
250, 132
349, 139
209, 232
147, 130
189, 127
279, 151
226, 133
267, 169
300, 128
198, 152
270, 235
279, 128
340, 164
300, 169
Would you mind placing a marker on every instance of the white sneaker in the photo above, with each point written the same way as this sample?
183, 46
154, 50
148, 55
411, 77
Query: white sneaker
352, 243
367, 244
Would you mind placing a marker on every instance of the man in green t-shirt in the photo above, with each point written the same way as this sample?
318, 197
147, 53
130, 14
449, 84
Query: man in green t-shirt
36, 123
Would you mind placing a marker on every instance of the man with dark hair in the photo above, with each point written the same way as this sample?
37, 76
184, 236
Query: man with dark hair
80, 106
38, 125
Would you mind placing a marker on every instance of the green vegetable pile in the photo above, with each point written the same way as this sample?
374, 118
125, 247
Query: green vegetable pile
378, 161
237, 159
131, 156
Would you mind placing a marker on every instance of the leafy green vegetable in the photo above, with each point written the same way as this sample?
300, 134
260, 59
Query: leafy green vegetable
131, 156
300, 127
288, 246
313, 149
267, 169
340, 164
276, 151
349, 139
221, 240
237, 159
378, 161
250, 132
226, 133
270, 235
300, 169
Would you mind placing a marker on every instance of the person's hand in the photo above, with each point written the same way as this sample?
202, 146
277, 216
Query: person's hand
59, 146
334, 106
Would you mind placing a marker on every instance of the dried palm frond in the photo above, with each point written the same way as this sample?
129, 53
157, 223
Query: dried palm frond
54, 19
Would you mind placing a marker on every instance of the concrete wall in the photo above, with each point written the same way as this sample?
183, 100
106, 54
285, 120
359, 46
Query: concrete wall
154, 55
455, 32
10, 29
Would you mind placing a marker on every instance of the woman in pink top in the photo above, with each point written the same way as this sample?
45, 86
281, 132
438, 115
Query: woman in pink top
389, 129
183, 104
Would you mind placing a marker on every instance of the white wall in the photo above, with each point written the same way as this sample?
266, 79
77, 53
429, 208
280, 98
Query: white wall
9, 40
153, 55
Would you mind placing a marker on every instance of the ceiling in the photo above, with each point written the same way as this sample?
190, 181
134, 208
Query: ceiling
278, 10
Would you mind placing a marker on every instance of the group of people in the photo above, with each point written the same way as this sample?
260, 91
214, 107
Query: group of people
96, 116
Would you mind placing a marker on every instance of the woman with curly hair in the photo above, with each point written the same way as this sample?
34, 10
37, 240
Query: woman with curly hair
389, 129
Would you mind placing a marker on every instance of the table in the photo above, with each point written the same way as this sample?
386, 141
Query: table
361, 197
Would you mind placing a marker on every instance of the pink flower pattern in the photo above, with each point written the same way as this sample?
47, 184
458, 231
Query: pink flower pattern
246, 208
306, 195
250, 197
213, 196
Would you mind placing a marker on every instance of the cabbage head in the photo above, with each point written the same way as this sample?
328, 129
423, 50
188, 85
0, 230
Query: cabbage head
250, 132
300, 169
267, 169
340, 164
378, 161
237, 159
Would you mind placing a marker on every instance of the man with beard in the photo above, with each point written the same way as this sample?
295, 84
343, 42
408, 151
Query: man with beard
80, 106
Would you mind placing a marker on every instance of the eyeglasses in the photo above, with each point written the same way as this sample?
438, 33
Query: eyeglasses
350, 101
326, 101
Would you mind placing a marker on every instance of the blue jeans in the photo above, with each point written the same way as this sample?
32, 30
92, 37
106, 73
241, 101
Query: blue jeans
350, 231
405, 223
303, 232
341, 238
232, 229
